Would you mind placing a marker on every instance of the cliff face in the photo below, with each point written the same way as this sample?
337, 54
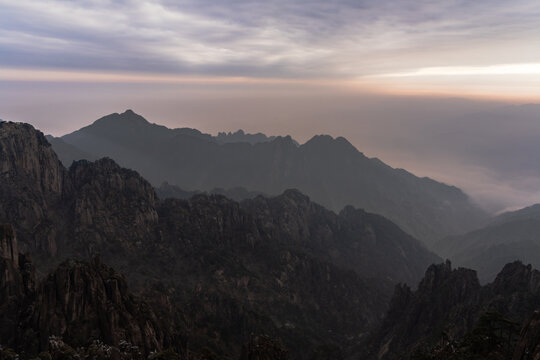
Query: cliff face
32, 184
113, 209
451, 315
78, 302
446, 301
83, 301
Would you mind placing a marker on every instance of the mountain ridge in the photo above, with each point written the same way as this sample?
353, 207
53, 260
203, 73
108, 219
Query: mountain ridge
504, 238
331, 171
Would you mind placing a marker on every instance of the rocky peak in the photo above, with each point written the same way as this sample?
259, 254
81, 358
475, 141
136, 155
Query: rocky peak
112, 205
25, 153
516, 276
295, 196
128, 117
8, 244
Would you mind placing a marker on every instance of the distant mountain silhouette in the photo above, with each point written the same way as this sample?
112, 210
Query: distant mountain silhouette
507, 237
240, 136
331, 171
67, 153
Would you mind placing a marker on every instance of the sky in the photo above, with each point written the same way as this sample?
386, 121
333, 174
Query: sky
436, 87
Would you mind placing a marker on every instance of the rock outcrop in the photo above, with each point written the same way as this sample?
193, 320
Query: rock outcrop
80, 303
32, 185
451, 315
113, 209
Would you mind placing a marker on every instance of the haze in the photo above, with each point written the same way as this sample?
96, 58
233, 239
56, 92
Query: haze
435, 88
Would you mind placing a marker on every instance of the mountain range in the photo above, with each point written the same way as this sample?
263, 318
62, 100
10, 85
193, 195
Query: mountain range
329, 170
223, 270
210, 278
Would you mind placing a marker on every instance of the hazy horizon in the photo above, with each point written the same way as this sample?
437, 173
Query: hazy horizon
445, 139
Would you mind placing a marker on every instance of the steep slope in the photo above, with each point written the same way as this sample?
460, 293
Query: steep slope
450, 308
331, 171
508, 237
231, 270
33, 185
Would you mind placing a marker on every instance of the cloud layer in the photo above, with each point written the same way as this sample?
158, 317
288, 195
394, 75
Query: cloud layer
278, 38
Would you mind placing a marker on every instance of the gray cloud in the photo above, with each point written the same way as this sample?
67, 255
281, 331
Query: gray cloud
265, 38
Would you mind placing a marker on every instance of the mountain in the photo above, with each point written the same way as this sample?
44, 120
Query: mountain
218, 269
530, 212
451, 316
331, 171
508, 237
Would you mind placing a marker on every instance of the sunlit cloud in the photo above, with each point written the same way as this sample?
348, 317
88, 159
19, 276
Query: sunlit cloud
505, 69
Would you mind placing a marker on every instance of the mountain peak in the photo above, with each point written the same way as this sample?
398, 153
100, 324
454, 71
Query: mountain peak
127, 118
327, 141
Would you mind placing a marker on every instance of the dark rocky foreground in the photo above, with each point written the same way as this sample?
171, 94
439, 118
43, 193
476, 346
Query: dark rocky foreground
222, 272
211, 278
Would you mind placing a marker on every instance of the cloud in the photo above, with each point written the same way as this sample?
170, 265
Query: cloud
265, 38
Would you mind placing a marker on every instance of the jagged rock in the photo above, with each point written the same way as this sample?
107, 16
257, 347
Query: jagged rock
113, 208
449, 307
79, 302
32, 184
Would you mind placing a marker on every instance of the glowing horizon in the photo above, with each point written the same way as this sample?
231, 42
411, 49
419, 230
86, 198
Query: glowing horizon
425, 82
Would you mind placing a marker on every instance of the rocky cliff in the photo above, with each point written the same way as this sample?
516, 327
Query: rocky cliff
79, 302
451, 316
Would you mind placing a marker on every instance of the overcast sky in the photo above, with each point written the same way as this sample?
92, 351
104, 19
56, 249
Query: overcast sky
431, 86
